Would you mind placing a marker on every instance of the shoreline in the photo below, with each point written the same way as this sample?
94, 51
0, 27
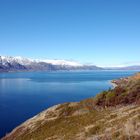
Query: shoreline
114, 85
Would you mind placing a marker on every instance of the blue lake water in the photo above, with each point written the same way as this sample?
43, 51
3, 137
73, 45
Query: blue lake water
23, 95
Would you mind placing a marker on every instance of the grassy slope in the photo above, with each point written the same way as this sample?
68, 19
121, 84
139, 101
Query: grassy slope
113, 114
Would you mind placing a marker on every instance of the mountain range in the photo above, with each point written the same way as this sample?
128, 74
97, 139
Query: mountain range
10, 63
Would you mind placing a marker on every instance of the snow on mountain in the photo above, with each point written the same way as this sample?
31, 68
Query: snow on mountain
9, 63
26, 61
9, 59
62, 62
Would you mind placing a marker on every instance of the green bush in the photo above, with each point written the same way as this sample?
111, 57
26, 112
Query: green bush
110, 95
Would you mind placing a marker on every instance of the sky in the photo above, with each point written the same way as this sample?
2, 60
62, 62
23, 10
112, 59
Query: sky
100, 32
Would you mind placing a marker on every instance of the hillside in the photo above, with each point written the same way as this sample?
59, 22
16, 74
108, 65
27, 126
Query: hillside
111, 115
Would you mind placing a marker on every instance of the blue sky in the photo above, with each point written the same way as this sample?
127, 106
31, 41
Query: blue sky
102, 32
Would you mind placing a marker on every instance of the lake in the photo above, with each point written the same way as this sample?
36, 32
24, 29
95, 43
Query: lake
25, 94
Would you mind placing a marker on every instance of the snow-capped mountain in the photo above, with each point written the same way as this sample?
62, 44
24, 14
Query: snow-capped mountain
27, 61
61, 62
9, 63
18, 59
